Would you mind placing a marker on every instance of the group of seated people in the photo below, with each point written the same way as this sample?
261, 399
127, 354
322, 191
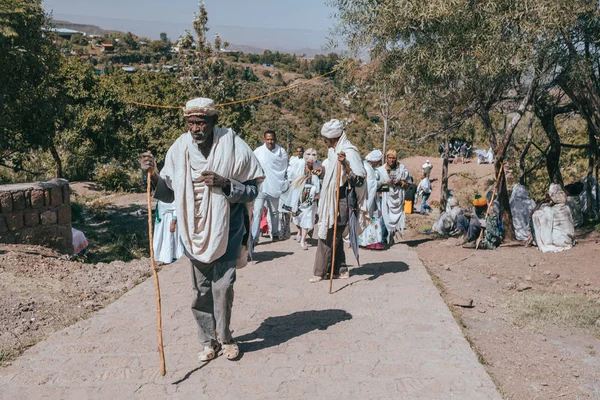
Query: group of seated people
548, 225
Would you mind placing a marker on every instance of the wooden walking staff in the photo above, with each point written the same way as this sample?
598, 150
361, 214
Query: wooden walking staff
161, 350
489, 206
335, 224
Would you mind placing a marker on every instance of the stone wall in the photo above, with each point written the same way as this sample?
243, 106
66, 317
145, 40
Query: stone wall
37, 213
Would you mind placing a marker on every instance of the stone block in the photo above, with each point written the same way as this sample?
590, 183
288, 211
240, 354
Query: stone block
32, 218
3, 227
66, 194
5, 202
37, 198
56, 196
48, 217
46, 197
18, 200
64, 214
14, 221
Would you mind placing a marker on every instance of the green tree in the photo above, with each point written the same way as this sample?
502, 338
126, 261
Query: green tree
28, 61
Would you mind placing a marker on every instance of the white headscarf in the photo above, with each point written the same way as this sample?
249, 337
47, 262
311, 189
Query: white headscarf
333, 129
374, 156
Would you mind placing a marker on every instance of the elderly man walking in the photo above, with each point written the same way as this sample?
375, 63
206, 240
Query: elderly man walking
274, 161
211, 175
350, 185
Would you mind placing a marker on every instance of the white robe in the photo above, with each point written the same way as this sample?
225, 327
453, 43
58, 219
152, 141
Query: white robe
373, 184
274, 164
392, 204
205, 234
521, 207
332, 181
167, 246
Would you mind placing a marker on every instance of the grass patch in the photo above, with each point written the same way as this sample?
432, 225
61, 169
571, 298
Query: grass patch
569, 310
115, 233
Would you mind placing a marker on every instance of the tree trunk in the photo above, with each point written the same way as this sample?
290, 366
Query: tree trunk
553, 154
522, 171
444, 187
592, 160
57, 161
385, 130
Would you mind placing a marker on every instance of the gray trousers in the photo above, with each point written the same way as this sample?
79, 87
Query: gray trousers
322, 265
272, 204
213, 299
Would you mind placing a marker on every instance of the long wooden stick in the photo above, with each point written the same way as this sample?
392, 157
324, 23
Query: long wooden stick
161, 350
335, 225
489, 206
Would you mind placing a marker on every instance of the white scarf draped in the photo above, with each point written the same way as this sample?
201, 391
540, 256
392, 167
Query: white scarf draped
373, 183
332, 181
205, 236
392, 204
274, 164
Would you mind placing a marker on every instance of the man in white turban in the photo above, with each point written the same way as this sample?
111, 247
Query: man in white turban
351, 183
211, 175
274, 161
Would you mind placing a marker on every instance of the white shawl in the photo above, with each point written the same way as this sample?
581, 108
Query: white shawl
373, 184
229, 157
392, 204
274, 164
331, 183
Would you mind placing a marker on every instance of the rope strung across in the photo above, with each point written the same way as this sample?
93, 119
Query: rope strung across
255, 97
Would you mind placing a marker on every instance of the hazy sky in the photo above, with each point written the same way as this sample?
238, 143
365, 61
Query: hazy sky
280, 14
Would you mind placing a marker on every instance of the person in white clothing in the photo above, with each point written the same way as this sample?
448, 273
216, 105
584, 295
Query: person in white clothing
395, 176
211, 176
424, 190
426, 168
274, 162
372, 236
301, 199
167, 246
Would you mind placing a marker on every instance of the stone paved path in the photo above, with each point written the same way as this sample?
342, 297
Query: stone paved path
386, 333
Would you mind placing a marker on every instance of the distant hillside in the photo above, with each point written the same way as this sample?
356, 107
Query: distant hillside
89, 29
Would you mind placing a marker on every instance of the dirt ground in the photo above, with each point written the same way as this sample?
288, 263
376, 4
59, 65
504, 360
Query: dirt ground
42, 291
535, 317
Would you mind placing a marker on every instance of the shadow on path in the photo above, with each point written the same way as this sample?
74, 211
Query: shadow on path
277, 330
186, 377
264, 256
416, 242
375, 270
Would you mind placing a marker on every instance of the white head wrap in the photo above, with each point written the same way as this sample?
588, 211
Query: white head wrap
333, 129
374, 156
453, 202
310, 155
427, 162
200, 106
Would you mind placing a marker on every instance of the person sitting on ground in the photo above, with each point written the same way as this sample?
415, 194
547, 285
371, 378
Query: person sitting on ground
469, 224
553, 223
424, 190
446, 225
